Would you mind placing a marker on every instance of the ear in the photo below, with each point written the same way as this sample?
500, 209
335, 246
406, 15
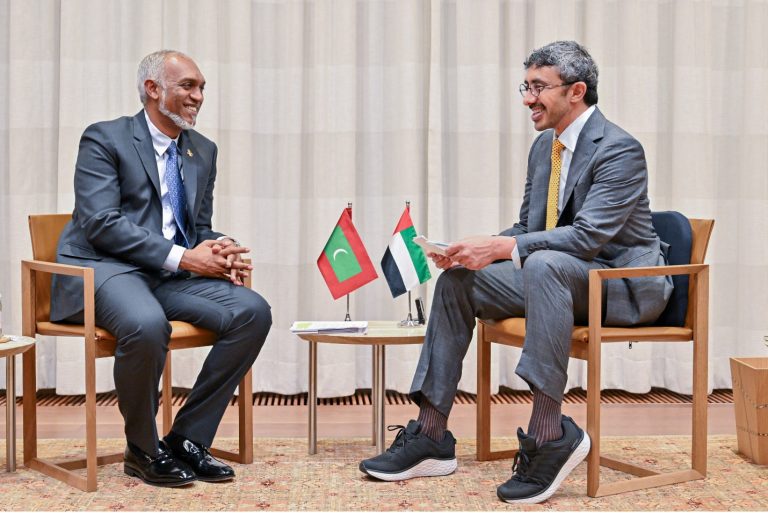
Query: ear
152, 89
577, 92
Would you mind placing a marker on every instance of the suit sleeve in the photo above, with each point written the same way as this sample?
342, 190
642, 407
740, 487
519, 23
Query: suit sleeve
98, 201
619, 178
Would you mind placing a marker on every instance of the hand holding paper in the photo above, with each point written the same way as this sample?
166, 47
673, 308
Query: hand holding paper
430, 246
479, 251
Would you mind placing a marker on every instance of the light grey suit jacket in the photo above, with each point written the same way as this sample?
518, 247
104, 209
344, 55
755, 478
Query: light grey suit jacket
116, 225
606, 216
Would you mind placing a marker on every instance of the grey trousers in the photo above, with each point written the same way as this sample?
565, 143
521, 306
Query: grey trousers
136, 308
551, 291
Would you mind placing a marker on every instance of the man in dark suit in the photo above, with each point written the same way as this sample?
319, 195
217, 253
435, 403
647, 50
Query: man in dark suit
585, 207
142, 221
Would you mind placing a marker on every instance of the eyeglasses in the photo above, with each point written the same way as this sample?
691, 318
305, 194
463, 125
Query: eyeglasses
536, 89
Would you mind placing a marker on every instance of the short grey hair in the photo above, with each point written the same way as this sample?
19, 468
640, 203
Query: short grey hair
152, 67
572, 61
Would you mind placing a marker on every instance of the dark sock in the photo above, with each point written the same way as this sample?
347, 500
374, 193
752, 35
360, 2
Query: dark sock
545, 424
433, 423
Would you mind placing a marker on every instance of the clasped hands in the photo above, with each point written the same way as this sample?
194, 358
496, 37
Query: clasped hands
217, 259
475, 253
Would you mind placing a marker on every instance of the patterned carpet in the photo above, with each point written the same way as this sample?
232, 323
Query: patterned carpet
285, 477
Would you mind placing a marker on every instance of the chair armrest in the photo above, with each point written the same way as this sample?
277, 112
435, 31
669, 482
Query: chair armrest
699, 291
29, 293
639, 272
56, 268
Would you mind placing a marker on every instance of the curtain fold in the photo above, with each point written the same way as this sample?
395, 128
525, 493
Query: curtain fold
314, 104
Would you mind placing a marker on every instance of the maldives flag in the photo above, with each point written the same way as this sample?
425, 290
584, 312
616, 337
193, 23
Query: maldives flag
404, 263
344, 263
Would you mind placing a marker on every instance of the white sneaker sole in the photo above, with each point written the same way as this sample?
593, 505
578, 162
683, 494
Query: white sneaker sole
577, 456
425, 468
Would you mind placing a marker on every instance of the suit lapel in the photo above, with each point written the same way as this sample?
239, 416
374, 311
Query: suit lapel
191, 168
537, 210
585, 148
143, 144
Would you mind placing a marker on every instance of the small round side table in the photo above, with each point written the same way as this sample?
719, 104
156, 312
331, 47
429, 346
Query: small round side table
380, 334
9, 350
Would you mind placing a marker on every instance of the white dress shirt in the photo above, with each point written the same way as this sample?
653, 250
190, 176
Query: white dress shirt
569, 137
160, 143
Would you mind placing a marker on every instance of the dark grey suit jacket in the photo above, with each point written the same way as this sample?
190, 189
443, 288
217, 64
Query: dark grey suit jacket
606, 216
116, 225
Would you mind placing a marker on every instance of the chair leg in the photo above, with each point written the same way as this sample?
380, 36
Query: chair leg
593, 421
483, 435
167, 395
29, 411
594, 348
700, 374
245, 424
245, 421
90, 417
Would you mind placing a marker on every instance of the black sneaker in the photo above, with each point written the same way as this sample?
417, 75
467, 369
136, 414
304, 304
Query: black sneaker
413, 454
538, 472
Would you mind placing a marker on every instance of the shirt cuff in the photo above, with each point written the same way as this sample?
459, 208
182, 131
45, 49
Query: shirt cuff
173, 259
237, 242
516, 258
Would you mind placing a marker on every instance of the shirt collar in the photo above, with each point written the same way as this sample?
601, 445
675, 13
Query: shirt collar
160, 141
570, 135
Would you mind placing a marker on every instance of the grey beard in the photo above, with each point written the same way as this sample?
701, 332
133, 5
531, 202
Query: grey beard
178, 120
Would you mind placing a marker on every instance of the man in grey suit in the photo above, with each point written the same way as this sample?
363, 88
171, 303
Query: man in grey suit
142, 221
585, 207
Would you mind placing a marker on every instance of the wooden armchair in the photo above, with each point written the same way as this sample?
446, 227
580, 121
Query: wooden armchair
36, 296
684, 320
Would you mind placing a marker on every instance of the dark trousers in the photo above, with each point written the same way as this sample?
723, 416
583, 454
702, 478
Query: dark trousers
136, 308
551, 291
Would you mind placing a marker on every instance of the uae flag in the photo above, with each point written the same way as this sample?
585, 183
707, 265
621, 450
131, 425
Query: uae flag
344, 263
404, 263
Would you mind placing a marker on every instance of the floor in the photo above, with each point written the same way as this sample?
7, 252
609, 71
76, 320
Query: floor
344, 421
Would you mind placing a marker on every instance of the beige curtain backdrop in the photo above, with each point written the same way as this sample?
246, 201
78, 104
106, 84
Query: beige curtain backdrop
317, 103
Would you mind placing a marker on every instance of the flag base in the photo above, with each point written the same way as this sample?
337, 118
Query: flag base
410, 322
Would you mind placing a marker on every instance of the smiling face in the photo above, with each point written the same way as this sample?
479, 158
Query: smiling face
174, 103
555, 107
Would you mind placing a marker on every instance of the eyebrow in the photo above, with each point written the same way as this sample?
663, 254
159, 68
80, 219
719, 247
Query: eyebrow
192, 80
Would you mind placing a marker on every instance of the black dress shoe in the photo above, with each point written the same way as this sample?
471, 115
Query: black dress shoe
205, 466
161, 470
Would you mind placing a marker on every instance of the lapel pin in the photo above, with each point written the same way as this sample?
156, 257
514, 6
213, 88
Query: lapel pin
189, 153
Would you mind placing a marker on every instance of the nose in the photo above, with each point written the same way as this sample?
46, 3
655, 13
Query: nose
529, 99
197, 94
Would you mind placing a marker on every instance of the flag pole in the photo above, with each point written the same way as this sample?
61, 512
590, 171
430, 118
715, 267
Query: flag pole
409, 321
348, 317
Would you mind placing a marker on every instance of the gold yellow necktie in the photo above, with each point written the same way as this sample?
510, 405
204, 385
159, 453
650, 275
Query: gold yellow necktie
554, 184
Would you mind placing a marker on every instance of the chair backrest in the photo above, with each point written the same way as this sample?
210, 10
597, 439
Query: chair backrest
44, 231
675, 229
688, 241
701, 230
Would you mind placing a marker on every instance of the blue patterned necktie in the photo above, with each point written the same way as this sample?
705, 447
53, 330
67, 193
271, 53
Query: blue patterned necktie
176, 194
